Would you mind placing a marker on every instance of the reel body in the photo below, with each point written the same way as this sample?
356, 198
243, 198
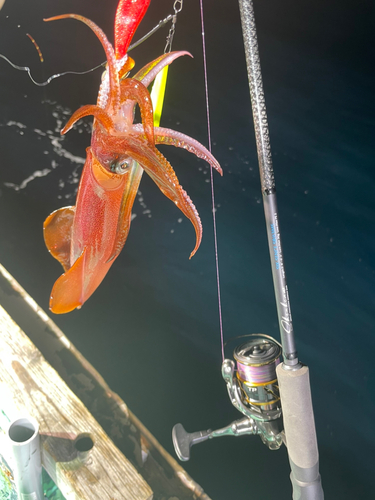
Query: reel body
253, 390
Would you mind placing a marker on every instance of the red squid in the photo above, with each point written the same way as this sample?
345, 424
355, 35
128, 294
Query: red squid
87, 238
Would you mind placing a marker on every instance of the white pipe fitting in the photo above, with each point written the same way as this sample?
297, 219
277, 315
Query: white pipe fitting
23, 438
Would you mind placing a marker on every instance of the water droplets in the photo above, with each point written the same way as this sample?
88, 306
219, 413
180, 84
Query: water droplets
54, 139
145, 211
12, 123
25, 182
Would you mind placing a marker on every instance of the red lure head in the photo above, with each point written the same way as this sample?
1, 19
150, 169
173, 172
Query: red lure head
128, 16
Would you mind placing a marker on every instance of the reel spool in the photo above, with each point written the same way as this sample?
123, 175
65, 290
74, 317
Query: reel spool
256, 361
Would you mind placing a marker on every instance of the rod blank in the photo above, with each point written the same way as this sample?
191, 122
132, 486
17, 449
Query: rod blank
267, 179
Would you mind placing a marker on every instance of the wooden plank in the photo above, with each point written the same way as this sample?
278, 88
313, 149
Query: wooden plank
166, 477
29, 384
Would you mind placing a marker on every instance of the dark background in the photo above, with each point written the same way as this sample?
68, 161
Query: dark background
151, 329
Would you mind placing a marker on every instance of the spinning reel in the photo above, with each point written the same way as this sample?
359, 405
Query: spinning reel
253, 390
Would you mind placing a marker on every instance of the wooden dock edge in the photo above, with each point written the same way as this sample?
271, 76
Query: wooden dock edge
29, 385
166, 478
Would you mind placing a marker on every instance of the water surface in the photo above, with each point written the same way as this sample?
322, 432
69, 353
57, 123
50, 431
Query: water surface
152, 328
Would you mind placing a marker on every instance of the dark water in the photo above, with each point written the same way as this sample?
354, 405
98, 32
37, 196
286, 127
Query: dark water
151, 329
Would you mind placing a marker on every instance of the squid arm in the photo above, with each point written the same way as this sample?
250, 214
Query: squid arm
173, 138
162, 173
149, 72
113, 102
135, 91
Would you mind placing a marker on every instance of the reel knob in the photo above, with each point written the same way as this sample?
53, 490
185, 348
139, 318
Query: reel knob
183, 440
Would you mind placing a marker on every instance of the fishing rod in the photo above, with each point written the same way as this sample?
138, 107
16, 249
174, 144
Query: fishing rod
274, 395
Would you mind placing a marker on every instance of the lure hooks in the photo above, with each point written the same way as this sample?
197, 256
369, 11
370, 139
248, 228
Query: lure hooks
177, 7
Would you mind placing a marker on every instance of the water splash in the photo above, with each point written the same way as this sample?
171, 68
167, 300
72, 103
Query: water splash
57, 151
55, 147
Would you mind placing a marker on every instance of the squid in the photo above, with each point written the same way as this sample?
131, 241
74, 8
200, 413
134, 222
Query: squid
88, 237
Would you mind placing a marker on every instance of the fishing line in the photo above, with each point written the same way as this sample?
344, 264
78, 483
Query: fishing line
212, 182
154, 30
171, 17
49, 80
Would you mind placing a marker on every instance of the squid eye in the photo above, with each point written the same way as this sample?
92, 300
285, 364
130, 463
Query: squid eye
120, 167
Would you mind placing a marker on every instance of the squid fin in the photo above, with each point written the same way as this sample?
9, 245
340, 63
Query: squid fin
57, 229
67, 292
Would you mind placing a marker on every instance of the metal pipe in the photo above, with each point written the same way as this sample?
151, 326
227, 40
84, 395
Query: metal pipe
23, 437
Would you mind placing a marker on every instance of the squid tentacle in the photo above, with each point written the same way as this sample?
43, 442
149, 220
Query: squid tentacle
114, 84
136, 91
89, 109
180, 140
126, 67
183, 202
162, 173
149, 72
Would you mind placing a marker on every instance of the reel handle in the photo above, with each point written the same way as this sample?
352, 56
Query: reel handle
183, 441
